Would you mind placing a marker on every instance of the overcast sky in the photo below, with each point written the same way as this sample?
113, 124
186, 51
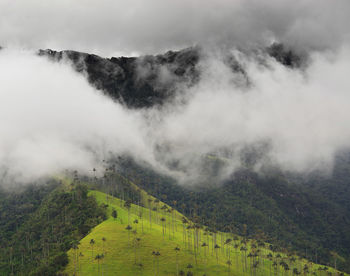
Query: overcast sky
115, 27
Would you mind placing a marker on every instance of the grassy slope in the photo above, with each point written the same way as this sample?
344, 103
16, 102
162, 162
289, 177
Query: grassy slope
120, 253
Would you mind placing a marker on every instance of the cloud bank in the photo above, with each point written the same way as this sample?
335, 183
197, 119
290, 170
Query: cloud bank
114, 27
52, 119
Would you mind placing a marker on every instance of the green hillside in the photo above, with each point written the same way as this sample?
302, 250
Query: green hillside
158, 240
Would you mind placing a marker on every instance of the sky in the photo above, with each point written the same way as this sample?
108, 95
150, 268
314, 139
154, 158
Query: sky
52, 120
133, 27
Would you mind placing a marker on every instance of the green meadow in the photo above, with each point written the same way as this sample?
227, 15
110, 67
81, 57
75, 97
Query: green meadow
158, 240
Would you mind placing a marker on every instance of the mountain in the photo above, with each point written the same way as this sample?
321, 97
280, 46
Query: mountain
311, 217
147, 81
308, 214
110, 226
136, 82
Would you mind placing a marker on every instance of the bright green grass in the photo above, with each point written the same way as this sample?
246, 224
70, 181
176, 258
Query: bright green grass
121, 257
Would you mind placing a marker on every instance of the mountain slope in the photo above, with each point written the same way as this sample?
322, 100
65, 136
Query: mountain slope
151, 80
130, 252
39, 224
312, 217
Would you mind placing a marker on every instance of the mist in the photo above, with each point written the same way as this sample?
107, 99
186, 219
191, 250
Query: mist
296, 119
116, 27
52, 120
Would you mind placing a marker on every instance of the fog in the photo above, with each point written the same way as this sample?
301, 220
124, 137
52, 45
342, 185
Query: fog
52, 119
116, 27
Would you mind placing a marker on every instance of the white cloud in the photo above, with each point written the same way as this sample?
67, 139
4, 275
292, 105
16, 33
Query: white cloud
51, 119
114, 27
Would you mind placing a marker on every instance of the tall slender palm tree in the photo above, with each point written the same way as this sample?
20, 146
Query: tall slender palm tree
127, 205
217, 247
177, 249
229, 266
79, 257
99, 257
150, 211
114, 213
163, 220
156, 255
136, 221
103, 244
92, 242
75, 246
128, 228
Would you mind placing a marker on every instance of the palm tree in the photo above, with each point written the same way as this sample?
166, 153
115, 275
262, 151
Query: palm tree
229, 266
99, 258
189, 266
127, 205
244, 249
92, 242
103, 244
141, 218
177, 249
140, 265
136, 222
136, 244
94, 171
150, 212
75, 247
204, 245
184, 222
216, 247
163, 222
114, 213
128, 228
156, 255
227, 243
275, 265
80, 256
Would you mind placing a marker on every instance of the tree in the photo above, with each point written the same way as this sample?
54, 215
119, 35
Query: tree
75, 247
80, 256
136, 245
114, 214
136, 222
103, 244
216, 247
177, 249
189, 272
163, 222
99, 257
127, 205
150, 212
128, 228
156, 255
229, 266
92, 242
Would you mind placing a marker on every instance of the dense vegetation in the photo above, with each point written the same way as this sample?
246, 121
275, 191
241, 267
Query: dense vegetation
39, 224
312, 217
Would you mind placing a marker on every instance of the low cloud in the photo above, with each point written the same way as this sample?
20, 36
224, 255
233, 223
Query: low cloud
115, 27
51, 119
